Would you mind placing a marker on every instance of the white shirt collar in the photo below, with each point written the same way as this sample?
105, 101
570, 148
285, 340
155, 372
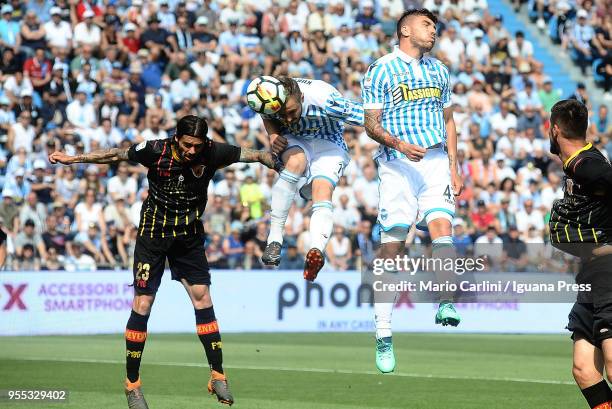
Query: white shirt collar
405, 57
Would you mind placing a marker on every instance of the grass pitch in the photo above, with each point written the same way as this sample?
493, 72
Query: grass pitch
301, 371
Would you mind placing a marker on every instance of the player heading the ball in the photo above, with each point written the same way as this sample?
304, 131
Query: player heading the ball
305, 120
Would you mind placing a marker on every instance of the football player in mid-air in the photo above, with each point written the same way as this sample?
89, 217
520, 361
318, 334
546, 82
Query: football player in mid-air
406, 98
307, 132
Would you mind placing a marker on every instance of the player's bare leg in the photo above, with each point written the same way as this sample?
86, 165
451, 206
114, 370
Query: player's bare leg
587, 368
208, 332
283, 194
440, 231
135, 337
321, 225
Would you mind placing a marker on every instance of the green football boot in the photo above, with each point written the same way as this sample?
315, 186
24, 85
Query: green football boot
447, 314
385, 359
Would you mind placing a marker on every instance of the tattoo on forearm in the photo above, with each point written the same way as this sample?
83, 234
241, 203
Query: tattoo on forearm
249, 155
374, 129
452, 161
103, 156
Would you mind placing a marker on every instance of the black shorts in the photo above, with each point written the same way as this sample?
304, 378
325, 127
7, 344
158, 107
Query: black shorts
186, 257
590, 322
591, 316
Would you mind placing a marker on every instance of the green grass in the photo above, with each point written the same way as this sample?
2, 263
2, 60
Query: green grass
302, 371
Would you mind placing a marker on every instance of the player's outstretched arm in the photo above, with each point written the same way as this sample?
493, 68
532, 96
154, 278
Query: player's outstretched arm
266, 158
375, 130
100, 156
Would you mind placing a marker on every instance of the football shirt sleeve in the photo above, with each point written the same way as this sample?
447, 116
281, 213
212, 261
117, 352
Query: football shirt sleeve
344, 109
145, 152
446, 90
592, 172
374, 87
223, 154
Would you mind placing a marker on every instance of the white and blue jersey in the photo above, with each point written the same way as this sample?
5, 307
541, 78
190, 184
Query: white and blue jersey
324, 113
412, 95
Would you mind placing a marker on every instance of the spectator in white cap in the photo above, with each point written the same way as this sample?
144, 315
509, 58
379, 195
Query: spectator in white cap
204, 37
130, 41
17, 184
478, 50
41, 183
58, 32
87, 32
9, 29
461, 239
580, 40
366, 17
469, 27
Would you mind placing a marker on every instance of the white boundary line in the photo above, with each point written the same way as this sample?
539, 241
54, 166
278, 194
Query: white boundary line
312, 370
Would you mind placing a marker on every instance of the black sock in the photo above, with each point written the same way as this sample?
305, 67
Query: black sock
208, 332
135, 337
598, 395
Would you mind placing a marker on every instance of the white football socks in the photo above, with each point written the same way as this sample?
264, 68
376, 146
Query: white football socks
283, 193
382, 318
321, 224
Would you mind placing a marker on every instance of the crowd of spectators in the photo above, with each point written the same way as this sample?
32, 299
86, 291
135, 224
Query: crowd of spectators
79, 75
583, 29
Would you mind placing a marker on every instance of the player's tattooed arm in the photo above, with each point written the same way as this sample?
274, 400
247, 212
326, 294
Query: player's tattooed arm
100, 156
375, 130
268, 159
451, 144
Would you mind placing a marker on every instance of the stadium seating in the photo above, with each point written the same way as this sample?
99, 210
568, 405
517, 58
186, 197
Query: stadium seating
88, 77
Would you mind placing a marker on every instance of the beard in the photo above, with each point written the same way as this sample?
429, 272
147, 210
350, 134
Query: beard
426, 45
555, 149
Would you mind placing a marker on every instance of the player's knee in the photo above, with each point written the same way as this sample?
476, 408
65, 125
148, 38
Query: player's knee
296, 163
201, 298
143, 303
322, 189
585, 374
439, 223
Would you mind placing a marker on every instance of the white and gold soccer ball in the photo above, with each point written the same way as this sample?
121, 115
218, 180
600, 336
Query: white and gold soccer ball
266, 95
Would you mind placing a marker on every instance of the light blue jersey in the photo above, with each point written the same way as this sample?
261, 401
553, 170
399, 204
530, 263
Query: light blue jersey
412, 95
324, 113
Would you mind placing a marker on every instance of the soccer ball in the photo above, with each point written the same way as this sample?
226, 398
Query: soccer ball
266, 95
